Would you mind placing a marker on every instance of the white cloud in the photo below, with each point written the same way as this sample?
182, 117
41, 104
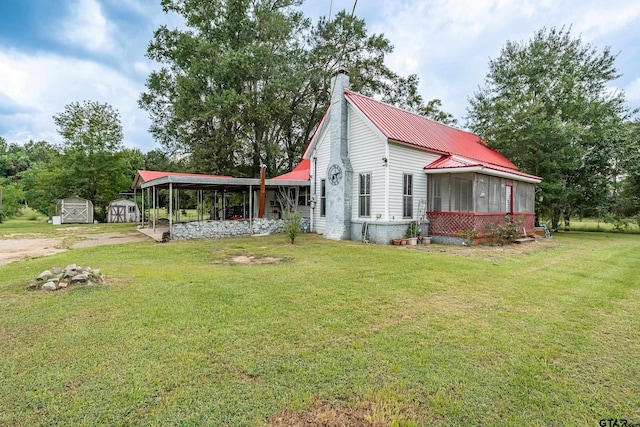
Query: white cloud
87, 27
597, 18
632, 91
43, 84
448, 43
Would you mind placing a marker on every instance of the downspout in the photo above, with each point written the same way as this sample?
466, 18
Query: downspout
312, 223
263, 173
386, 181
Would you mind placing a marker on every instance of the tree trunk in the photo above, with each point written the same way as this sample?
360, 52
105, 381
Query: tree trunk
555, 219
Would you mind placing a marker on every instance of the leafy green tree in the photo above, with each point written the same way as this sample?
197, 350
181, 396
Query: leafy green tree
246, 82
433, 110
134, 160
13, 160
545, 106
20, 164
157, 160
93, 164
12, 199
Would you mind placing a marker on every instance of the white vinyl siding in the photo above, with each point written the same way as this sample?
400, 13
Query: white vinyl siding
322, 163
407, 160
366, 151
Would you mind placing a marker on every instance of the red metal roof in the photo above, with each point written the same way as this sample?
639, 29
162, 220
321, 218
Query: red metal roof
403, 126
150, 175
459, 162
300, 172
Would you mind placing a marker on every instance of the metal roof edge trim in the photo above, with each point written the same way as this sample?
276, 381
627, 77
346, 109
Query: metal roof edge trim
166, 180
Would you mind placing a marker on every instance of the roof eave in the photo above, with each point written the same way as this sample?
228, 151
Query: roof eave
487, 171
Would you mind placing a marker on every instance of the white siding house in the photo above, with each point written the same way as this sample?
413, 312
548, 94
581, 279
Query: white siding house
372, 163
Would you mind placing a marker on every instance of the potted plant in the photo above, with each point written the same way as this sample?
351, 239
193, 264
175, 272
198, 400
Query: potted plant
424, 240
412, 233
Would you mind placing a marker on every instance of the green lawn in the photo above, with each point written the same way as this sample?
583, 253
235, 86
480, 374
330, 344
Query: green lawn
591, 224
544, 334
32, 224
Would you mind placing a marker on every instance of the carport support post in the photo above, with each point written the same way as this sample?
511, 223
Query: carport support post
170, 208
155, 212
251, 209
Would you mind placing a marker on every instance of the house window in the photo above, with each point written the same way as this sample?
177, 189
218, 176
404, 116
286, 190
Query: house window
303, 196
365, 195
132, 209
323, 197
407, 196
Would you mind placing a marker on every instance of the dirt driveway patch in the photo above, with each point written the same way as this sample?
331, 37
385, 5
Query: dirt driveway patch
109, 239
12, 250
18, 249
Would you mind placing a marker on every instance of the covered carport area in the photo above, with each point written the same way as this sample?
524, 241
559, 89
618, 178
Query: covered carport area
216, 188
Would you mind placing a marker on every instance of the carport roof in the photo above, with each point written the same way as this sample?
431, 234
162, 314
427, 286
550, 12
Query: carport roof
185, 181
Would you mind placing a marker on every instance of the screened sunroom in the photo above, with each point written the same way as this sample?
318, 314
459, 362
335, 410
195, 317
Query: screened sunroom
477, 201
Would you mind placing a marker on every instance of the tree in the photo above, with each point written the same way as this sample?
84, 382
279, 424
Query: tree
12, 199
93, 164
247, 82
546, 107
157, 160
433, 111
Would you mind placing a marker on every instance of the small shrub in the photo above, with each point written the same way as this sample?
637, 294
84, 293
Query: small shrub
619, 223
1, 217
504, 233
468, 235
412, 229
292, 225
33, 216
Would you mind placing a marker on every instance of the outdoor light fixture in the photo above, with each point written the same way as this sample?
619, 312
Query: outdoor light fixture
384, 161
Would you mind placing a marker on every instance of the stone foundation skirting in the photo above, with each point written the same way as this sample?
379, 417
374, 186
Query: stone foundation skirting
217, 229
383, 232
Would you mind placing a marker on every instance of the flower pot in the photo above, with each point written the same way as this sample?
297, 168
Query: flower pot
403, 242
426, 240
396, 242
412, 241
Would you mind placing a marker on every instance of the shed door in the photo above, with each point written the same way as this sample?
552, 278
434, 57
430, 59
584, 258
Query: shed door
74, 212
118, 213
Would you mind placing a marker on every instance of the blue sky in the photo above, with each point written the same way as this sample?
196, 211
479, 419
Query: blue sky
54, 52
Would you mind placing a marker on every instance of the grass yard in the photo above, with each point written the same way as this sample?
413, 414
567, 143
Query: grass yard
30, 224
591, 224
181, 334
